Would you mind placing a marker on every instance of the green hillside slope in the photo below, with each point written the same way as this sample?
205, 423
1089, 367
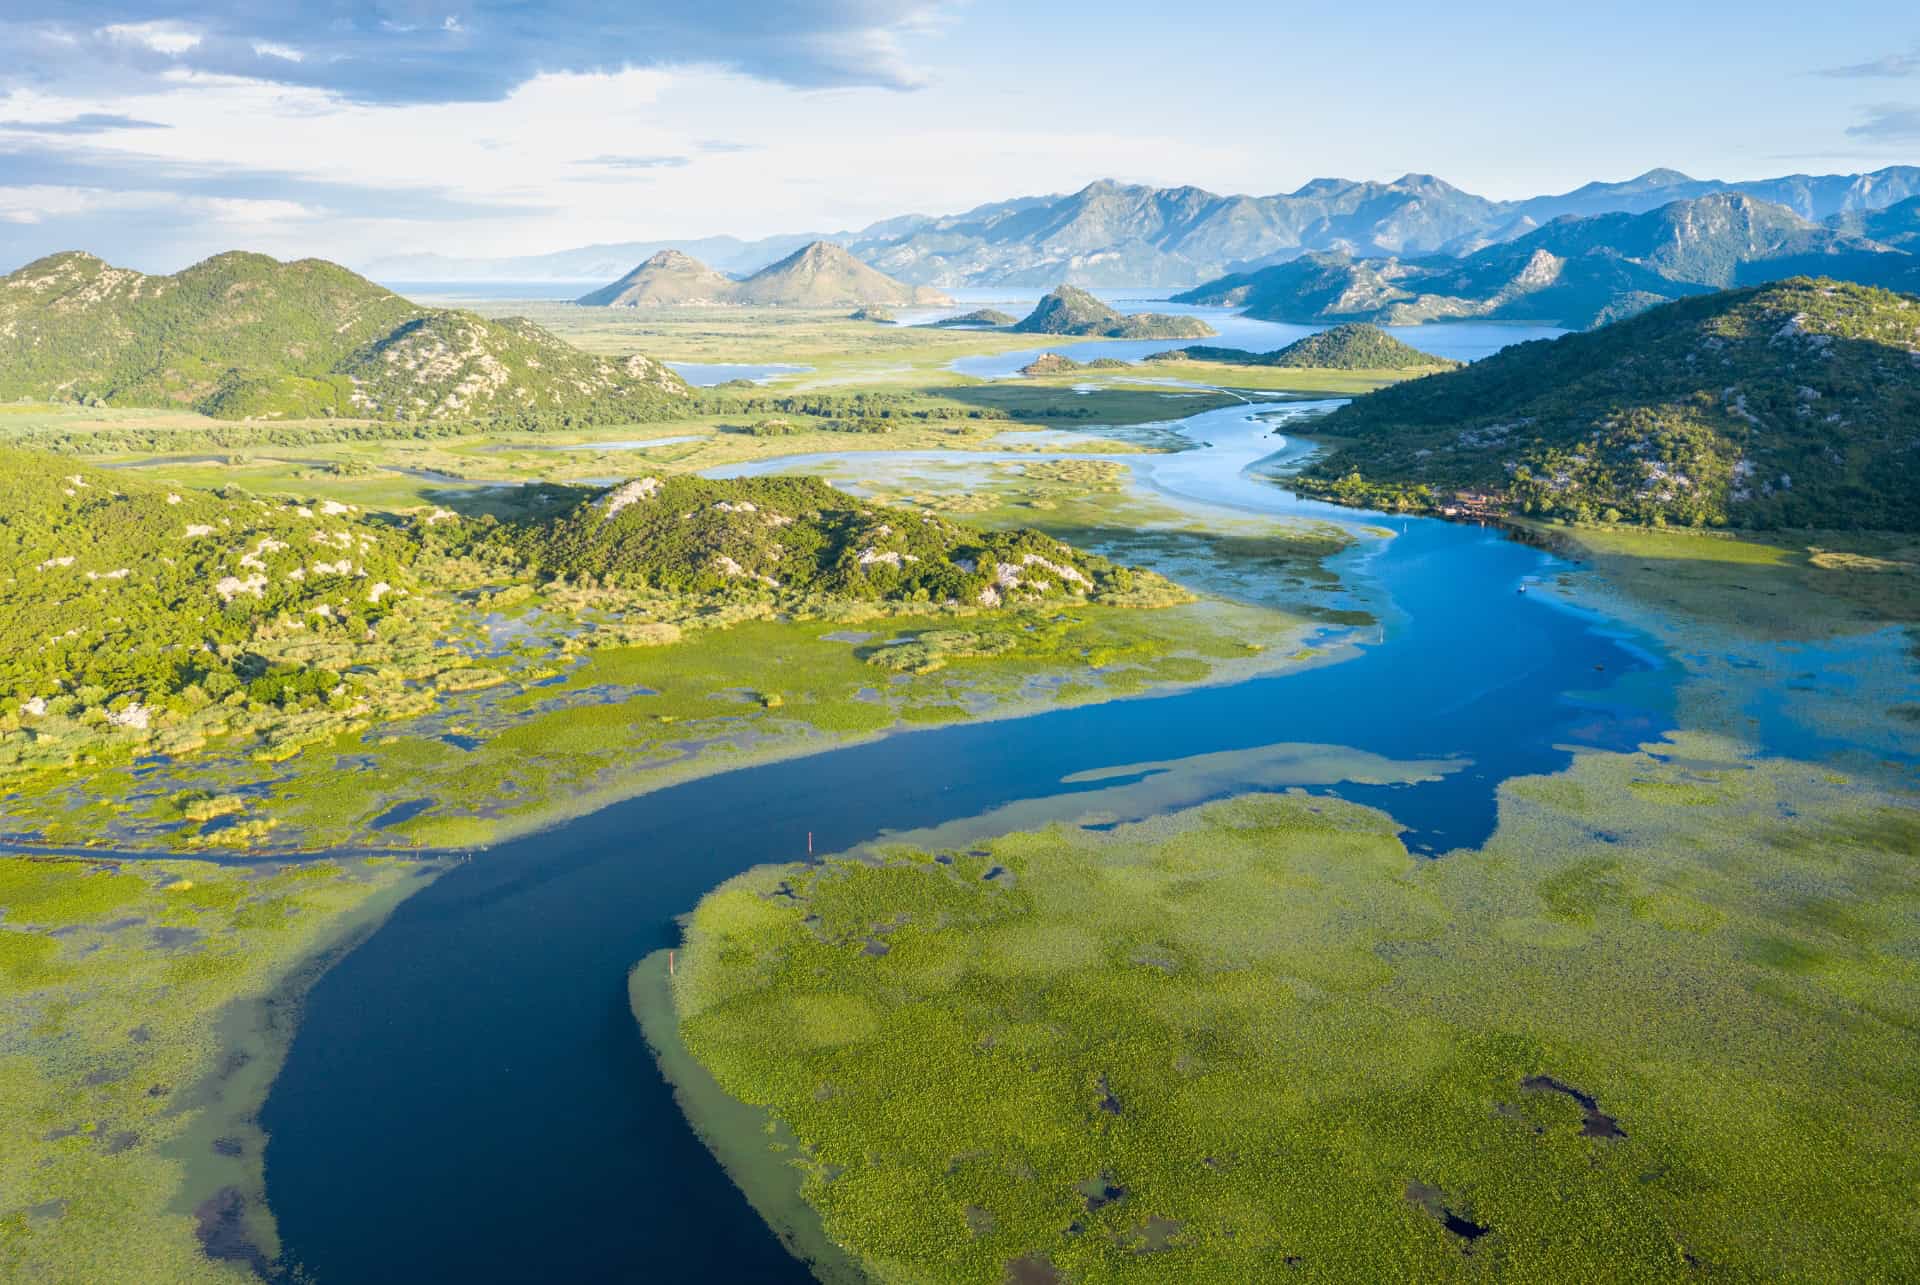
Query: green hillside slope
1791, 404
245, 336
125, 595
1353, 346
978, 317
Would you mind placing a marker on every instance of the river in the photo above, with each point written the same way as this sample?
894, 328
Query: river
468, 1098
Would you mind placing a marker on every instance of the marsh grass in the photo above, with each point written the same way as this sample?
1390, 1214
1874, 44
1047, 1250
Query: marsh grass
144, 1008
1268, 1029
1772, 587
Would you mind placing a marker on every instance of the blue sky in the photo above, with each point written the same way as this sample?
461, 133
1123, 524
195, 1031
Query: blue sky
156, 133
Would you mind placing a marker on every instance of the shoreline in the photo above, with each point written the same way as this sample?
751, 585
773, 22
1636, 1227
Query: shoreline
756, 1154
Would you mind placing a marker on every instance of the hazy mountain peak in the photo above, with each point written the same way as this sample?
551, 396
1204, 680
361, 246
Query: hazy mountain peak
1110, 233
677, 260
1576, 271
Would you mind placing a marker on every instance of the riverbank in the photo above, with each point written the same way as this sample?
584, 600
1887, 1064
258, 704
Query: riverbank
147, 1006
759, 1157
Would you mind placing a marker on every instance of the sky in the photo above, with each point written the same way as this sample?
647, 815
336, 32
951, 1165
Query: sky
156, 132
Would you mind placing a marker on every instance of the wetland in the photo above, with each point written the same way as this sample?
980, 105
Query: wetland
1397, 898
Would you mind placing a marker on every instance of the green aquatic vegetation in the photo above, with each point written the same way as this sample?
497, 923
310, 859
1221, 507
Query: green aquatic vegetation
1817, 625
137, 1040
623, 719
459, 643
1753, 586
1079, 476
1258, 1037
47, 894
740, 1133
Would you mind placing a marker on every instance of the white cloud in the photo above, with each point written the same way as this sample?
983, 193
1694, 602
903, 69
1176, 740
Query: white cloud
161, 37
401, 51
638, 154
1888, 122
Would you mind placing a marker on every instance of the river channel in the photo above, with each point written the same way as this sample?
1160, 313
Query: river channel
468, 1097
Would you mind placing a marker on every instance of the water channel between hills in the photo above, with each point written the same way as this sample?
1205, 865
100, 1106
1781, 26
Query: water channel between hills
468, 1097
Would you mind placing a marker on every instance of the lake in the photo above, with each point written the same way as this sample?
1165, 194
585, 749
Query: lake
1458, 340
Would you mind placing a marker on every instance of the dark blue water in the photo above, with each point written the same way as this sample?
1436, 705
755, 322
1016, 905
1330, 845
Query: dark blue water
468, 1098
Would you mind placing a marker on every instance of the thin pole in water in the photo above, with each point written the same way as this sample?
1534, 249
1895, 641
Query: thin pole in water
809, 843
669, 963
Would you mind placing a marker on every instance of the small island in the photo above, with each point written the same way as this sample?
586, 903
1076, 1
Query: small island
1053, 363
1355, 346
979, 318
1070, 310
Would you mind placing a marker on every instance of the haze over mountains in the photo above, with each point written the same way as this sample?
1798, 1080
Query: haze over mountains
1577, 272
820, 275
1114, 234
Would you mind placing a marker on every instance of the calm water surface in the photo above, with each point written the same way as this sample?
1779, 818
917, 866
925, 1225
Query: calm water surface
707, 374
468, 1098
1459, 340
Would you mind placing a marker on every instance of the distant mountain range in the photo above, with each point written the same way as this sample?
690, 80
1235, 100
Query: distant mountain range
1580, 272
819, 275
1114, 234
243, 336
1896, 225
594, 262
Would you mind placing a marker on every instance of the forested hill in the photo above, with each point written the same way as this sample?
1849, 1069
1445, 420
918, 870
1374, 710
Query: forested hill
799, 536
134, 596
245, 336
1354, 346
1069, 310
1791, 404
129, 606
